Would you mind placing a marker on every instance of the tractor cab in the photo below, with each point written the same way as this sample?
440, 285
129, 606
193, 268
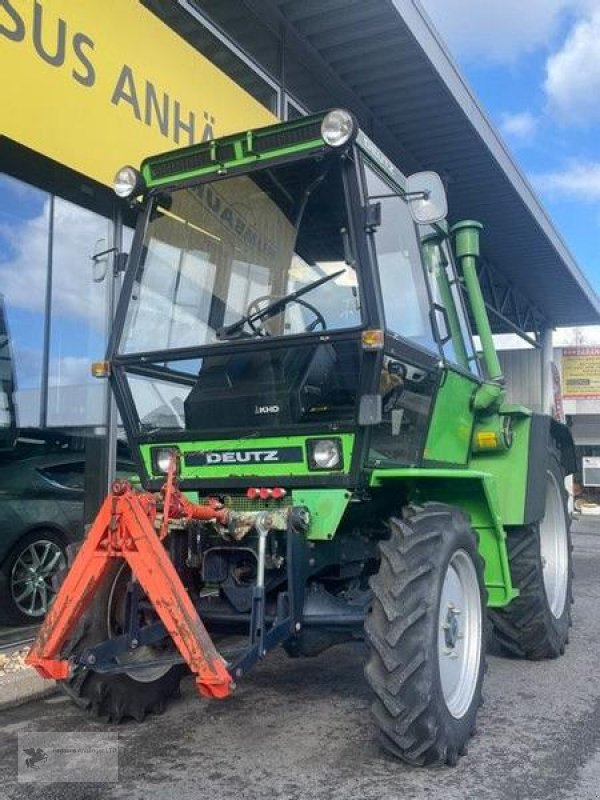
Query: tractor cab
289, 302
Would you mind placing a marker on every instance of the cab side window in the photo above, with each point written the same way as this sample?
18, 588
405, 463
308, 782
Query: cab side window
403, 286
448, 309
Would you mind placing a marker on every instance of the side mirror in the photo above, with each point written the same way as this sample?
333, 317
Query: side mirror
99, 258
426, 198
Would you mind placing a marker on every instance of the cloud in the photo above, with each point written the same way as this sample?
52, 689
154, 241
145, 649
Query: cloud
23, 260
19, 189
572, 80
521, 126
579, 180
28, 365
69, 371
500, 31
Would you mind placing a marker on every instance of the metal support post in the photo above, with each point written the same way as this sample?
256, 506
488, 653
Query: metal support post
546, 359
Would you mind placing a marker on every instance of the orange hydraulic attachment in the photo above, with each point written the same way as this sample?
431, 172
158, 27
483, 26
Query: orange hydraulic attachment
125, 529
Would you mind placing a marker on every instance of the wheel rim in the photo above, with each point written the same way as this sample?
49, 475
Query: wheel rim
554, 548
116, 612
31, 576
460, 634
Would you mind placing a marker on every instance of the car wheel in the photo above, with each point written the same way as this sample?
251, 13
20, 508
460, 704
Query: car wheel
27, 577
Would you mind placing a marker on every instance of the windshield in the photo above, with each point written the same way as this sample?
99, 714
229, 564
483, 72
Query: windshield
314, 382
219, 252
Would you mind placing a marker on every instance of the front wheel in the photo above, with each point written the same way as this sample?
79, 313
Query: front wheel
426, 635
135, 692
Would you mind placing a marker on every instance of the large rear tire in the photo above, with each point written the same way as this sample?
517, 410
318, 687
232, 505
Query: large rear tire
117, 697
426, 635
536, 624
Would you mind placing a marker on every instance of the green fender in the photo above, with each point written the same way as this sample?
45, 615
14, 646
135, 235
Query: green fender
475, 493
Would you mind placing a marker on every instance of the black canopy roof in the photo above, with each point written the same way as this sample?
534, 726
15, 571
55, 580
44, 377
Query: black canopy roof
385, 61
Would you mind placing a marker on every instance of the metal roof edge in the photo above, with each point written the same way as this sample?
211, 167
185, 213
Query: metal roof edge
436, 51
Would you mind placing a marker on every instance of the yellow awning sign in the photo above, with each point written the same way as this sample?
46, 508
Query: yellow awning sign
97, 85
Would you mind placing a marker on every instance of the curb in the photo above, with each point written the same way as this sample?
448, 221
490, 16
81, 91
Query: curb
22, 686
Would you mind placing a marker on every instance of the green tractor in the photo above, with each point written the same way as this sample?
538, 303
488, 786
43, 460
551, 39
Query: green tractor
293, 351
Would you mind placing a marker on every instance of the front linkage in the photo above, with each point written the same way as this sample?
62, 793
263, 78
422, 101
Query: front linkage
130, 528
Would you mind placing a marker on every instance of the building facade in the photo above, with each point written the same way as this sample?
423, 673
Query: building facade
88, 94
89, 86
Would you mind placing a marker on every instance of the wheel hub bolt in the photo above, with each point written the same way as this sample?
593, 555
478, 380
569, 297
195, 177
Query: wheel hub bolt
450, 627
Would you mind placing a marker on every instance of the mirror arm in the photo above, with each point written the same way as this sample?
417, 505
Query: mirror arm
97, 256
120, 261
417, 195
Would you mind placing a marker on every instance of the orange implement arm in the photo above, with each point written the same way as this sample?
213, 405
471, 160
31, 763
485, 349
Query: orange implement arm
75, 595
123, 530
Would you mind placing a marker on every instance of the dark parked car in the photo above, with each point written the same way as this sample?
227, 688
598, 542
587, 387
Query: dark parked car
41, 512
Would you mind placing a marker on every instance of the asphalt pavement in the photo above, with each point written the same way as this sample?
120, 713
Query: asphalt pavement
11, 636
300, 729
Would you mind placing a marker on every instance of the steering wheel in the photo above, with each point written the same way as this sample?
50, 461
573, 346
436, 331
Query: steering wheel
257, 325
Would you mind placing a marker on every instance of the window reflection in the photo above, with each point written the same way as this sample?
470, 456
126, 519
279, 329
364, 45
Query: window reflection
78, 312
78, 309
24, 230
233, 247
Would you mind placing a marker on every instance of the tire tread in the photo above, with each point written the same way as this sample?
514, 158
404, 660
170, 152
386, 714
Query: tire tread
398, 628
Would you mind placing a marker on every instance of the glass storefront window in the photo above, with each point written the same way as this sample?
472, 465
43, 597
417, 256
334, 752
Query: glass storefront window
293, 110
246, 28
54, 309
24, 231
78, 317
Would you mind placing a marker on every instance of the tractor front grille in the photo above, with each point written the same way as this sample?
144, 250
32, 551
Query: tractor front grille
243, 503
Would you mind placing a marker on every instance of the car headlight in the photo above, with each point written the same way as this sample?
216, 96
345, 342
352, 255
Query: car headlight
325, 454
161, 458
337, 127
127, 182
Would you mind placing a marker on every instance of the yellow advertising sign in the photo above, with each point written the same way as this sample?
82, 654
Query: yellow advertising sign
581, 372
95, 85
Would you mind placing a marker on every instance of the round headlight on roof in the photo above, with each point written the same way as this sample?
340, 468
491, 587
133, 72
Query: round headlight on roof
337, 127
127, 182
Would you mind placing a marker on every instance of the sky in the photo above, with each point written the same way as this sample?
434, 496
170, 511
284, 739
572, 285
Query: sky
535, 67
77, 334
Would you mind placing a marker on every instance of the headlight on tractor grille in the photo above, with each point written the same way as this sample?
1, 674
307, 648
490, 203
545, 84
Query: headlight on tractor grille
324, 454
161, 458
